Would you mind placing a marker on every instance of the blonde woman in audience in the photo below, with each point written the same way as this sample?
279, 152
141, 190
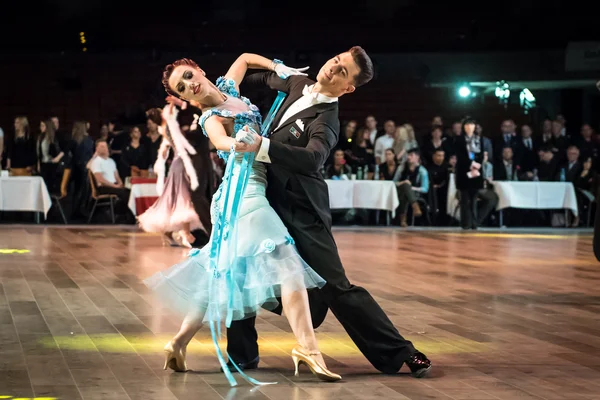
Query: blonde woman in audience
411, 141
399, 145
20, 152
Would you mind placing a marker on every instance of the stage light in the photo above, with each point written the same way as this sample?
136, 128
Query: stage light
527, 100
81, 33
464, 91
502, 90
84, 49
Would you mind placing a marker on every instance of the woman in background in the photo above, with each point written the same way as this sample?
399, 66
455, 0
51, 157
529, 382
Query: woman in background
20, 152
173, 211
49, 154
82, 146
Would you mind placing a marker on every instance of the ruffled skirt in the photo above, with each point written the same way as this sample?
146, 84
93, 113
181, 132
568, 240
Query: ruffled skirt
255, 262
173, 208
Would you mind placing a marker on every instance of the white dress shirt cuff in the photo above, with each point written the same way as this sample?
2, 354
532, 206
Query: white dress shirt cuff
263, 152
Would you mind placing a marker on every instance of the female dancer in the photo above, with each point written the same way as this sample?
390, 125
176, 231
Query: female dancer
251, 260
173, 211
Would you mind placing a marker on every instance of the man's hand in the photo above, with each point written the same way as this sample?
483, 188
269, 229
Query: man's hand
475, 165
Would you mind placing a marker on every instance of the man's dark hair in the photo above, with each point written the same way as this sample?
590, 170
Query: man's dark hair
364, 63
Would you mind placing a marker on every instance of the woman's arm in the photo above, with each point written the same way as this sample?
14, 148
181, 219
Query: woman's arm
217, 134
246, 61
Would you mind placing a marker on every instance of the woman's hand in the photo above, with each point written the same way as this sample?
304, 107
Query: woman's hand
284, 72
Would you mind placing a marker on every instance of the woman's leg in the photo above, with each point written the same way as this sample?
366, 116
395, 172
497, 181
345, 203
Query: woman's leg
189, 327
297, 311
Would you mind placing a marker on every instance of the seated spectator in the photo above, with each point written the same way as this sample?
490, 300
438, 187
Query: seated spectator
412, 180
135, 156
387, 170
507, 169
20, 153
107, 177
339, 169
548, 171
439, 175
363, 153
573, 167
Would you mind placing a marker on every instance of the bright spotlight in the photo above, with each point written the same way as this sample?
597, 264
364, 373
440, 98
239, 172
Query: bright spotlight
464, 91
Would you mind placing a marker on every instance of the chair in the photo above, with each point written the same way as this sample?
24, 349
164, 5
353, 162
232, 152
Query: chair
102, 199
56, 198
20, 172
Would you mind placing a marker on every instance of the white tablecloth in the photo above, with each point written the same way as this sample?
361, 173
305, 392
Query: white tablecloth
536, 195
375, 195
24, 193
529, 195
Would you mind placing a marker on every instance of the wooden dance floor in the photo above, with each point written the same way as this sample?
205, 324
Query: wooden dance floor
501, 315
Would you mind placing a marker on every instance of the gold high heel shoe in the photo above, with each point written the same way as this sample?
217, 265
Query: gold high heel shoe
167, 240
301, 356
174, 358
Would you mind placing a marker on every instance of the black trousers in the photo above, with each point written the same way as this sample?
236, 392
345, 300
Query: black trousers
360, 315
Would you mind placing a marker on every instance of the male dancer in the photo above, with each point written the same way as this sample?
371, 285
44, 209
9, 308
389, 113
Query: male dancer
304, 131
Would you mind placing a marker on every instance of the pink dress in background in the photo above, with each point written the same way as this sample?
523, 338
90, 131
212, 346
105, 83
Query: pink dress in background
174, 206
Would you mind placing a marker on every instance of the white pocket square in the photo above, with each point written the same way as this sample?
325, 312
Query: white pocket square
300, 124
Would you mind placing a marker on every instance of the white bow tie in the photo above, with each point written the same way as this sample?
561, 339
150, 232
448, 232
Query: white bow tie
306, 92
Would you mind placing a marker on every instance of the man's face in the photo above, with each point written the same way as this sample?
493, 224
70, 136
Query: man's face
438, 157
389, 127
371, 122
437, 120
586, 131
55, 122
547, 156
508, 127
526, 131
456, 128
507, 154
337, 75
413, 158
102, 149
573, 154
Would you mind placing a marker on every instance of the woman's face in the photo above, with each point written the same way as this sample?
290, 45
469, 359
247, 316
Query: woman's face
469, 129
389, 156
366, 135
43, 127
339, 157
436, 134
189, 83
350, 128
104, 130
588, 163
135, 133
17, 124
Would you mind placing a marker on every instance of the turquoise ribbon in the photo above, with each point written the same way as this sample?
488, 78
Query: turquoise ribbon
226, 229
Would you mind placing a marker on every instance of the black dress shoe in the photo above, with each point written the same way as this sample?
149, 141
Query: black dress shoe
419, 364
243, 366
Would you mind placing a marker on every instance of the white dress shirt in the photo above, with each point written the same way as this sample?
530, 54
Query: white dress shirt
307, 100
382, 144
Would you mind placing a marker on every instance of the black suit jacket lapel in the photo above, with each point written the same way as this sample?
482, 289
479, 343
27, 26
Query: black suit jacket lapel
287, 103
309, 112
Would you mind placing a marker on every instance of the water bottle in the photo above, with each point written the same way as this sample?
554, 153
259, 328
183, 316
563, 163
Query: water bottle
376, 175
365, 172
562, 175
359, 174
